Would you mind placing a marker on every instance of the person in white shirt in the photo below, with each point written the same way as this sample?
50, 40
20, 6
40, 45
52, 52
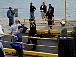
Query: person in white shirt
14, 28
2, 53
43, 10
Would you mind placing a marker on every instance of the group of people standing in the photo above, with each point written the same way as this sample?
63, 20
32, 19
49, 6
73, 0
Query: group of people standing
16, 27
47, 15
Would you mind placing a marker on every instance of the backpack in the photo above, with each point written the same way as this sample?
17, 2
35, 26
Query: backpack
24, 28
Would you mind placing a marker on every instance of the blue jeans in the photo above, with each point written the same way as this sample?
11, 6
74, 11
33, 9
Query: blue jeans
18, 48
32, 15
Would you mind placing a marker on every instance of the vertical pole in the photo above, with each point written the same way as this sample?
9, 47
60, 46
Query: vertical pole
24, 21
65, 9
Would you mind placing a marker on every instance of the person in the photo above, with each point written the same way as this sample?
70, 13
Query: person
50, 17
32, 33
32, 9
10, 15
74, 32
74, 37
52, 8
43, 10
63, 33
2, 53
14, 28
24, 28
18, 38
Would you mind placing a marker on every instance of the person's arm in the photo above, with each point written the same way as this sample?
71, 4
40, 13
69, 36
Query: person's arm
45, 8
11, 29
1, 32
41, 7
46, 18
53, 20
33, 24
13, 12
35, 8
53, 10
1, 46
8, 14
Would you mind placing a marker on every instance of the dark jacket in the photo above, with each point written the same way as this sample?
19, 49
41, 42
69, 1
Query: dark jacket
10, 13
32, 29
32, 8
49, 15
44, 8
74, 32
64, 32
52, 9
19, 37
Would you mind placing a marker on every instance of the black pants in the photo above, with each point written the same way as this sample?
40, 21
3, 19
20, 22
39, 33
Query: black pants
34, 41
11, 21
10, 24
75, 45
50, 23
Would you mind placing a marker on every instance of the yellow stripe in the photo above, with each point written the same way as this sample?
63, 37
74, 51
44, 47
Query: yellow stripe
30, 44
10, 51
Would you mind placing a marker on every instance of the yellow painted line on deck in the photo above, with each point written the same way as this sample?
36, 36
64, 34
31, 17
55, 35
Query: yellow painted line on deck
31, 44
10, 51
40, 38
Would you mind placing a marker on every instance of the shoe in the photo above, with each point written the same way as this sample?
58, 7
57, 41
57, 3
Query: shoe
14, 54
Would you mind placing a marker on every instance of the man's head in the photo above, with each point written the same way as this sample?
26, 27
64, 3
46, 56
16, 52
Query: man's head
31, 3
20, 28
17, 21
43, 3
10, 8
62, 23
31, 20
49, 4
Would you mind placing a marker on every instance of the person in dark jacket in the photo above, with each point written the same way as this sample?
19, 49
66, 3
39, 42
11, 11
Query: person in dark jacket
74, 37
18, 38
10, 15
43, 10
32, 33
32, 9
52, 9
50, 18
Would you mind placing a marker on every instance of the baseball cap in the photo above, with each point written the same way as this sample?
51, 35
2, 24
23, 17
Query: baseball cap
62, 22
